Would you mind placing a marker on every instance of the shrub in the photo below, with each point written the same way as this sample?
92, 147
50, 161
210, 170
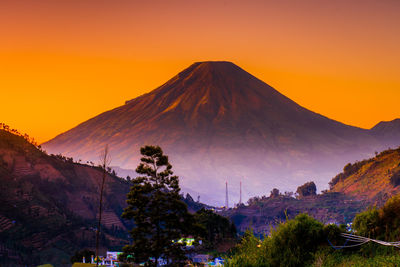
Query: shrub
380, 224
295, 241
366, 223
251, 251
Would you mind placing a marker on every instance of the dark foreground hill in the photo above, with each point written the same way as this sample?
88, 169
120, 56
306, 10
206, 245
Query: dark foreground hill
49, 205
219, 123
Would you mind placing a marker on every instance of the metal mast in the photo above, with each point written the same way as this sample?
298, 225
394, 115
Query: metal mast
240, 198
226, 196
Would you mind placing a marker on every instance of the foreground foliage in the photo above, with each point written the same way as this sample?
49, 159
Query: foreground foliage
293, 243
303, 241
380, 224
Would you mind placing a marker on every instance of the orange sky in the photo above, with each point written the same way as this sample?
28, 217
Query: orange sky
63, 62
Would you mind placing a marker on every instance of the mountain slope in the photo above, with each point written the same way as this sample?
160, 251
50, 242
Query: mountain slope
388, 131
374, 180
218, 122
49, 205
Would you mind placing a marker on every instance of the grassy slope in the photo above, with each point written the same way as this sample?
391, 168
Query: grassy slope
372, 180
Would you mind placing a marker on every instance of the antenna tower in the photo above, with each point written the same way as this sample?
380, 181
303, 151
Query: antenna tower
240, 199
226, 196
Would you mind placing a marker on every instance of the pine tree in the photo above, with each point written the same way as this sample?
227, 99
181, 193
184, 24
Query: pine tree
157, 211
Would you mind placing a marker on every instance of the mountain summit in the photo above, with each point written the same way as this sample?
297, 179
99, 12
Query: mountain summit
218, 122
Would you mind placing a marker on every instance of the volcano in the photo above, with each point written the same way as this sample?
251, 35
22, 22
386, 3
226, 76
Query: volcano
219, 123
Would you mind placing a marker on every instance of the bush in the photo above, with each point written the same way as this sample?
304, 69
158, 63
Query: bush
251, 251
366, 223
380, 224
295, 241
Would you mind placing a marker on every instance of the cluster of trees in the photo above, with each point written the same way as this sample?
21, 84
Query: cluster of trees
350, 169
29, 139
215, 229
305, 190
304, 241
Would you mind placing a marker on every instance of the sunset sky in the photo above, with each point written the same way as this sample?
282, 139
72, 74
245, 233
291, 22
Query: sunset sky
65, 61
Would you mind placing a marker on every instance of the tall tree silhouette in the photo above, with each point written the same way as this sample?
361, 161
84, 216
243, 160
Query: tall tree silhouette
156, 208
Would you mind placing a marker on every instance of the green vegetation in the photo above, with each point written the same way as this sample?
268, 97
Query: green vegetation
380, 224
303, 241
293, 243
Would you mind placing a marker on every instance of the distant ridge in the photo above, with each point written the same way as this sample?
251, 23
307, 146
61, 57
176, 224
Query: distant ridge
388, 131
216, 120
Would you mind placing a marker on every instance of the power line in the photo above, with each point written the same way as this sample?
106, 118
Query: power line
360, 240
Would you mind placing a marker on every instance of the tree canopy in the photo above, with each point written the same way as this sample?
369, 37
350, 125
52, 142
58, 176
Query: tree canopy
307, 189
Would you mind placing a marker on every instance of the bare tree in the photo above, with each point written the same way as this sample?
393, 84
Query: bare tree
105, 161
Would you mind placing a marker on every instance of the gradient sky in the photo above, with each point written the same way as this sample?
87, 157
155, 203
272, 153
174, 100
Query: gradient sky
65, 61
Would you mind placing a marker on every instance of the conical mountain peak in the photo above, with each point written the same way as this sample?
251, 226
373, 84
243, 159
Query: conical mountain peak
207, 117
214, 80
219, 68
213, 90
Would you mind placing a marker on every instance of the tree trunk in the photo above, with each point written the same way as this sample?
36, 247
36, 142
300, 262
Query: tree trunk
105, 162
